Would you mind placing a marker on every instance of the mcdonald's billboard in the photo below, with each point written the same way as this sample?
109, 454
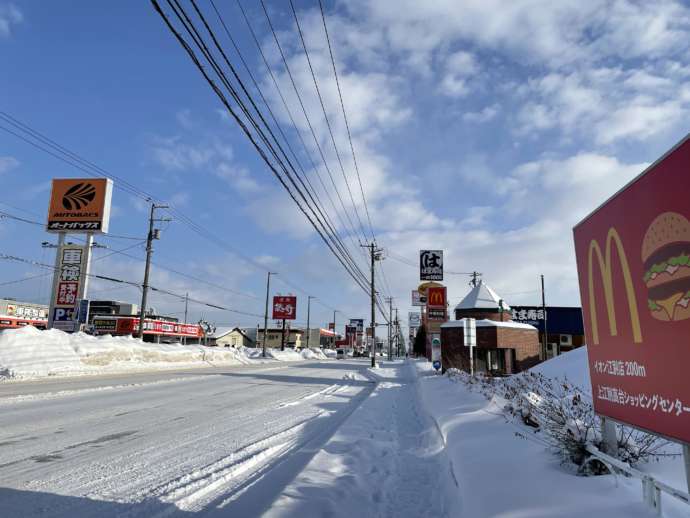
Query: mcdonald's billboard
633, 261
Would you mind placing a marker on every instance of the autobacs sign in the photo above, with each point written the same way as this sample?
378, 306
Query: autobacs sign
634, 277
80, 205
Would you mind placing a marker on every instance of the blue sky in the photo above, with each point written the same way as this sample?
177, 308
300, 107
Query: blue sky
483, 129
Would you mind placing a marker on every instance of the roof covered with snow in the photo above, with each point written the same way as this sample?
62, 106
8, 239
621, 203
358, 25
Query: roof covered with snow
488, 323
481, 296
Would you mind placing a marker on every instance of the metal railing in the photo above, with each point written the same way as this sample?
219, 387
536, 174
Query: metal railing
651, 488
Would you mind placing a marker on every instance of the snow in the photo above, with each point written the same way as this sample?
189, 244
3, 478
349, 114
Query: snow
31, 353
481, 296
208, 441
504, 469
387, 459
572, 366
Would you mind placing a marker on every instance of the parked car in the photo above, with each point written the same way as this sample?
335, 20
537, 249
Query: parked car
340, 354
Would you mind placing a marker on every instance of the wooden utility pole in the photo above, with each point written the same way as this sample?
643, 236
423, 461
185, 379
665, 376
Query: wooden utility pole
268, 284
375, 256
153, 234
545, 339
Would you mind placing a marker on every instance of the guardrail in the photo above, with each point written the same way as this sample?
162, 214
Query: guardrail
651, 488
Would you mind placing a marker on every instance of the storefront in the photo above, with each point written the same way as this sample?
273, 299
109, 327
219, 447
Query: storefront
564, 326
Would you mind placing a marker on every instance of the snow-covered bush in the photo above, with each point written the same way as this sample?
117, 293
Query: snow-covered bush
562, 416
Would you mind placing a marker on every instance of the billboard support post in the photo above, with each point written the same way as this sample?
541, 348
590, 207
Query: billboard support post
56, 278
608, 436
686, 461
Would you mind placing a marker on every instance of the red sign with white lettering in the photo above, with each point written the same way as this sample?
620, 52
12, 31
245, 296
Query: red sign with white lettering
633, 261
284, 307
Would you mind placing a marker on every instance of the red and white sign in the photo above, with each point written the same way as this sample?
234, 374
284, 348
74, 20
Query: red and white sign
436, 297
284, 307
633, 261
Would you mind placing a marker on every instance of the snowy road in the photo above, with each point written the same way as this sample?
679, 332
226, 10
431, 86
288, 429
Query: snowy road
169, 443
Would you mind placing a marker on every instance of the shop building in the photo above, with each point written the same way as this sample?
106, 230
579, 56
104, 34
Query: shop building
564, 326
14, 314
502, 345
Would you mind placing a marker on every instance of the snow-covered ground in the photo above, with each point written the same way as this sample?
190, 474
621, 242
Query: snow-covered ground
277, 438
30, 353
503, 469
169, 443
387, 459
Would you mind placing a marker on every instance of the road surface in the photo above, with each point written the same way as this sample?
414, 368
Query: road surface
168, 443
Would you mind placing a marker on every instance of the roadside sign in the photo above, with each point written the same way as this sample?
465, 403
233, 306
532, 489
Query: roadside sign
83, 311
431, 265
436, 314
418, 299
358, 323
284, 307
436, 298
80, 205
634, 274
414, 319
436, 351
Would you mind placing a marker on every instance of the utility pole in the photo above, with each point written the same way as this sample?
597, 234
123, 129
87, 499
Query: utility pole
308, 313
186, 303
390, 328
335, 334
543, 307
154, 233
375, 256
268, 284
475, 276
397, 330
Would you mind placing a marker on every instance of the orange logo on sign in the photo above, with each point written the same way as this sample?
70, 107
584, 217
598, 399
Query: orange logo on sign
79, 205
604, 262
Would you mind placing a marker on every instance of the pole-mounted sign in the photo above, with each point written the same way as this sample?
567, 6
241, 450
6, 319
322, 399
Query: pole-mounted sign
431, 265
634, 277
284, 307
80, 205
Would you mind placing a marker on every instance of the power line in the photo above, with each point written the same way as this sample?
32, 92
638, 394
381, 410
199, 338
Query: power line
306, 116
71, 158
325, 115
8, 257
347, 124
184, 20
328, 229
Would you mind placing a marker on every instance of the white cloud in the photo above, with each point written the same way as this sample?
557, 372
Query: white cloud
459, 68
7, 163
484, 115
9, 15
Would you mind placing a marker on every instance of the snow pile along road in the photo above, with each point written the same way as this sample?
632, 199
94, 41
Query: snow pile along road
488, 445
31, 353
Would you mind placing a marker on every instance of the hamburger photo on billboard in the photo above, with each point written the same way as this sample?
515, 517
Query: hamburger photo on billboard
666, 258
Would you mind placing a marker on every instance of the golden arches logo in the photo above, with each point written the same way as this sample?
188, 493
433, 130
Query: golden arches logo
435, 298
604, 263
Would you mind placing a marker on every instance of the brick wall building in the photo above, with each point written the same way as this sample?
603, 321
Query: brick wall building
502, 346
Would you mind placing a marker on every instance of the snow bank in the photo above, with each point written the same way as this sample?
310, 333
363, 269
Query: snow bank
30, 353
572, 366
503, 469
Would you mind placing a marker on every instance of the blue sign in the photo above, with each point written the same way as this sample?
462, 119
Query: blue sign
63, 314
437, 365
83, 311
